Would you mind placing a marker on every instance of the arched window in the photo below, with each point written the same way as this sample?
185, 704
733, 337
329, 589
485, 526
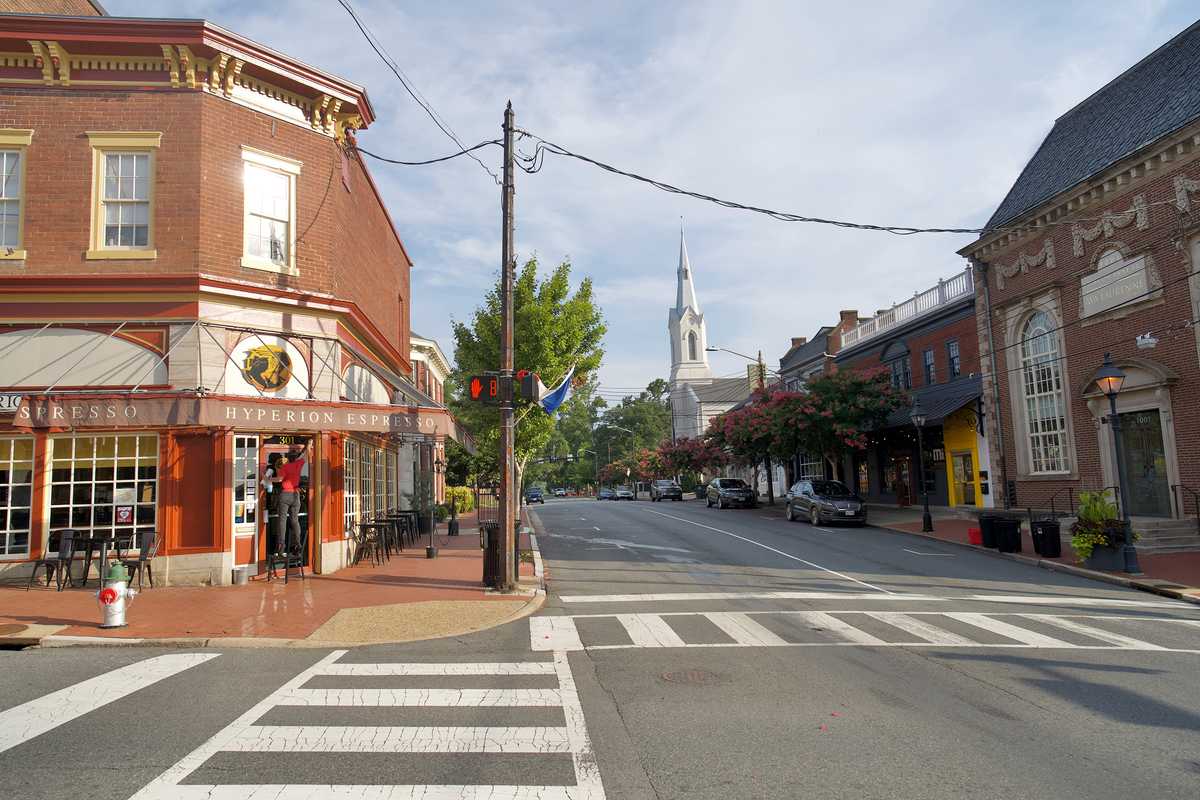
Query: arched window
692, 346
1045, 404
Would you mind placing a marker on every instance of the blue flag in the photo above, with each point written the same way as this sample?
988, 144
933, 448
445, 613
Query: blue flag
556, 398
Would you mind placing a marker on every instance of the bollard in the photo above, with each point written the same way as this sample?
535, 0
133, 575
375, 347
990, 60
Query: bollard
114, 596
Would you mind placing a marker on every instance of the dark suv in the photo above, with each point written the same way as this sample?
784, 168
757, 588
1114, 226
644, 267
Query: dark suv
821, 502
665, 490
535, 495
726, 492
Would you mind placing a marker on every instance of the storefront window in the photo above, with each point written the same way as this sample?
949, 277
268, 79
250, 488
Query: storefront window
380, 482
104, 484
350, 485
392, 498
1045, 406
366, 487
16, 490
245, 481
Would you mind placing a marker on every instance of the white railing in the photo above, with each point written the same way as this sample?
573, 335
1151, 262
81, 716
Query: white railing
946, 291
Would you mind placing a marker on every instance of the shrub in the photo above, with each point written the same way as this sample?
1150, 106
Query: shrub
462, 497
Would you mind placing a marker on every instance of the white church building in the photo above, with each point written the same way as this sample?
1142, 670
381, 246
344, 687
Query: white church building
696, 396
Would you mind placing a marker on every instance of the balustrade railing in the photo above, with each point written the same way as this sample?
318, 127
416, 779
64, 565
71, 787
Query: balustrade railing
946, 291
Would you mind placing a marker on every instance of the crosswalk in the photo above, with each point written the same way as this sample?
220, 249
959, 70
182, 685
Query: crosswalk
863, 628
307, 694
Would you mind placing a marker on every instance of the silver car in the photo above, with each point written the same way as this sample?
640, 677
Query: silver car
822, 502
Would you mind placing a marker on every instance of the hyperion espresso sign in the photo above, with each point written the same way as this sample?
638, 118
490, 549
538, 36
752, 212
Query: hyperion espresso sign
220, 412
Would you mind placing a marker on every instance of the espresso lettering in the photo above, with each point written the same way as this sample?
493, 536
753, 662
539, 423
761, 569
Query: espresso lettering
93, 412
130, 412
110, 412
58, 412
76, 412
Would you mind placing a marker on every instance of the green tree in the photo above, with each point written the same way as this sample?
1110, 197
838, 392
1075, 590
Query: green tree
553, 330
637, 422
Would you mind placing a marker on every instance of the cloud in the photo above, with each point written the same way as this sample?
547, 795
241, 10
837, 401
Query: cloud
919, 113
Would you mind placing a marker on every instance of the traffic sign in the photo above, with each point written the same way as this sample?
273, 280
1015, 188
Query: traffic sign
484, 388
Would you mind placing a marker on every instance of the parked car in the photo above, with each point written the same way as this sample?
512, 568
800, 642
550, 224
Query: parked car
665, 490
606, 494
560, 492
535, 495
726, 492
623, 493
822, 502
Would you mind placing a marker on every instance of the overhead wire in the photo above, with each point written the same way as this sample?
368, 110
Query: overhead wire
464, 152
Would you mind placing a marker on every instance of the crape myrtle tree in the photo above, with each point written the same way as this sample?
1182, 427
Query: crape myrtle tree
554, 328
745, 434
690, 459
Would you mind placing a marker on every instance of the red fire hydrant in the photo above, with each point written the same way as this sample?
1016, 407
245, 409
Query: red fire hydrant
114, 596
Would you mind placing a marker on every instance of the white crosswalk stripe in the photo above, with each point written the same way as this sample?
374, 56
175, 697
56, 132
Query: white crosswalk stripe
245, 735
843, 628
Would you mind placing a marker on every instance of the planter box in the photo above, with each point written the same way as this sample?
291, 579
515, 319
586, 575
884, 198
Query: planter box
1108, 559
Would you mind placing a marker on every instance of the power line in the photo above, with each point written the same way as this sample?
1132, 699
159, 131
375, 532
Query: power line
465, 152
411, 89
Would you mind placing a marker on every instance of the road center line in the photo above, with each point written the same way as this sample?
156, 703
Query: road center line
920, 553
773, 550
24, 722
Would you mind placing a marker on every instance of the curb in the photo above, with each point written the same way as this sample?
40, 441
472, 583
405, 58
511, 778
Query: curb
533, 604
1151, 585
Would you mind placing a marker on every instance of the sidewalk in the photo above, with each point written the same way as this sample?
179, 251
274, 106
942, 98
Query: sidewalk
1170, 574
406, 598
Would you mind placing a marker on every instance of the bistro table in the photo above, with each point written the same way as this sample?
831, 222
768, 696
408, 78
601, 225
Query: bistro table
409, 518
91, 542
378, 531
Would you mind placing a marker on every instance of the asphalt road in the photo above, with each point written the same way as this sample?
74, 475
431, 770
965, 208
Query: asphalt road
682, 653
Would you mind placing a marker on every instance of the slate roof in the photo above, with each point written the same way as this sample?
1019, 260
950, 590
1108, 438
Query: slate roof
1158, 95
939, 401
813, 349
722, 390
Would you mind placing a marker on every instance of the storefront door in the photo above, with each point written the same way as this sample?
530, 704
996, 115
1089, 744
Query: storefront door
964, 478
246, 511
1145, 464
281, 444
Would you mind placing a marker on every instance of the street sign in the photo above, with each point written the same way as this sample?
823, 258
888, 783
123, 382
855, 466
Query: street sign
484, 388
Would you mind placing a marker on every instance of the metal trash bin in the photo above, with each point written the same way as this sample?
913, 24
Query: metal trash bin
241, 576
1047, 538
493, 554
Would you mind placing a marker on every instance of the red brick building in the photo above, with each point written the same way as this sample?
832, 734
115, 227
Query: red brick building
196, 270
1098, 244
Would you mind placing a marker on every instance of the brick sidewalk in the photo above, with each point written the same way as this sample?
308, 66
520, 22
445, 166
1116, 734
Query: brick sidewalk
448, 588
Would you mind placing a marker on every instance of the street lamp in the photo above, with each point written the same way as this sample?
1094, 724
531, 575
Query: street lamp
917, 415
1110, 379
438, 467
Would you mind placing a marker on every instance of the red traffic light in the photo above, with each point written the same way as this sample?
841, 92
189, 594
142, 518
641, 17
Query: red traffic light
484, 387
476, 388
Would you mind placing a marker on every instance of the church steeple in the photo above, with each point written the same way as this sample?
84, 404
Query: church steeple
689, 337
685, 292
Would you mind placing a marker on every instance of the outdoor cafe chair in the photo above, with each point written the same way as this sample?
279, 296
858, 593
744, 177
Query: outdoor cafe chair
363, 545
146, 554
60, 565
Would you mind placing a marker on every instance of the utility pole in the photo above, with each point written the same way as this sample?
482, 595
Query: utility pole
762, 386
508, 499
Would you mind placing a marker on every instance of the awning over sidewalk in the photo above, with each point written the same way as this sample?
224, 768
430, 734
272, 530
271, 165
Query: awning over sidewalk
939, 401
159, 409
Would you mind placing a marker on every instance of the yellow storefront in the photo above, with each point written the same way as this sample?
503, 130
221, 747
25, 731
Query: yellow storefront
961, 440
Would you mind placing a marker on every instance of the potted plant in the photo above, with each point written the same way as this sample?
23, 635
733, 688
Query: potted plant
1098, 534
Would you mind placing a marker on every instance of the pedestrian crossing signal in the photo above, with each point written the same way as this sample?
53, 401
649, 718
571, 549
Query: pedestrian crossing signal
484, 387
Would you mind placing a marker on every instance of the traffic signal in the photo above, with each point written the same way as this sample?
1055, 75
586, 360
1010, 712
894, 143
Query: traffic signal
531, 386
484, 388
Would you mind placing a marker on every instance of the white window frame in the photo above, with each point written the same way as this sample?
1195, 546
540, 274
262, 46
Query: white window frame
16, 141
6, 554
111, 143
257, 159
1041, 382
350, 486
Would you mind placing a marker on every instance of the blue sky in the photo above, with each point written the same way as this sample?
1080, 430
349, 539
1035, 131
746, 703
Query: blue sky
915, 113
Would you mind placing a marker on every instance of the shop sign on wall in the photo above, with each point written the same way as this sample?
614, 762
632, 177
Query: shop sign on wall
9, 403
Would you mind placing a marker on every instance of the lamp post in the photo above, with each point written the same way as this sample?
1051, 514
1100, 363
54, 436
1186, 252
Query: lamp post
1109, 379
762, 385
917, 415
438, 467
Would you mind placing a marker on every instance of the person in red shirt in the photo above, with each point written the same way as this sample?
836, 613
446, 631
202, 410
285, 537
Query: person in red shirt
290, 476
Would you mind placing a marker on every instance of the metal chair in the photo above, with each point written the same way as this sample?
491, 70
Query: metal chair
149, 548
60, 565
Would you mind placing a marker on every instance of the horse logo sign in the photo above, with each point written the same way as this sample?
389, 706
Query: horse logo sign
267, 367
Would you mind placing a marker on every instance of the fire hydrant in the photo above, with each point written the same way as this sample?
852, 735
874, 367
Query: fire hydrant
114, 596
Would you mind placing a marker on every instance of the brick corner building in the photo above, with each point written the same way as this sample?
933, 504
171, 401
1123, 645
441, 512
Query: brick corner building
196, 271
1098, 244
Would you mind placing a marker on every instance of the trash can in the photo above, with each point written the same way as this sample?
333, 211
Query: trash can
241, 576
987, 529
1047, 541
1008, 534
493, 554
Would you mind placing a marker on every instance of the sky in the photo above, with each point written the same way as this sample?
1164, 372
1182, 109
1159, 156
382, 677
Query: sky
914, 113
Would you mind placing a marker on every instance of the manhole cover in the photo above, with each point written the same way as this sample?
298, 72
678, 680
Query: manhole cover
693, 677
9, 629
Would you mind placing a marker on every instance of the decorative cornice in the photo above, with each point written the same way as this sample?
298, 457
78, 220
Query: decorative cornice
1110, 221
1183, 187
1025, 261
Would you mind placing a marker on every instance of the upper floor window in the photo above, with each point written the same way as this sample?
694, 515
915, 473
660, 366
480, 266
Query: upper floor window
270, 211
930, 370
12, 191
901, 373
1045, 404
953, 357
123, 194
